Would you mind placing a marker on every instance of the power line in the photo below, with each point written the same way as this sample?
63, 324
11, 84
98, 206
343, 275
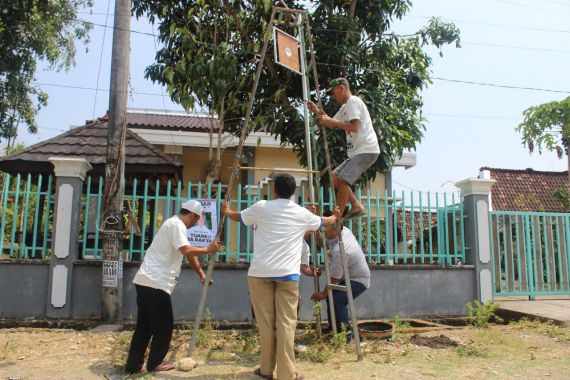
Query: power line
101, 57
531, 7
497, 25
515, 47
472, 116
88, 88
501, 85
339, 31
554, 2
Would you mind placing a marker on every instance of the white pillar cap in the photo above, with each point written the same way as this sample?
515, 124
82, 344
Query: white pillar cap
475, 186
70, 166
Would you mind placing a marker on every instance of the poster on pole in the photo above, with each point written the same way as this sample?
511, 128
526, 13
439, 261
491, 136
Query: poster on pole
286, 50
110, 273
203, 233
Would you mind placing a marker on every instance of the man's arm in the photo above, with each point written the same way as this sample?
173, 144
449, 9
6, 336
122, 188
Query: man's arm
191, 251
350, 127
319, 296
330, 122
195, 264
233, 215
330, 220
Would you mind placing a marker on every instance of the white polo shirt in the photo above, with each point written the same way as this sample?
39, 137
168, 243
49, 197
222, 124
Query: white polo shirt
161, 265
280, 225
364, 140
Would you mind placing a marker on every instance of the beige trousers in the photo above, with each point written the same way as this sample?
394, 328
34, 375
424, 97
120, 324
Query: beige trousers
275, 307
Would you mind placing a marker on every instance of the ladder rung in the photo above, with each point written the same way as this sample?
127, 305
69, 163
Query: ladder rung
342, 288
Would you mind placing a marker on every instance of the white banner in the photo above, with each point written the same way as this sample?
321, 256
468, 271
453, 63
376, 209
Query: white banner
110, 273
203, 233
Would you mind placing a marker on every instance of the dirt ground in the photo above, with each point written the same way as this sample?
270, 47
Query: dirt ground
520, 350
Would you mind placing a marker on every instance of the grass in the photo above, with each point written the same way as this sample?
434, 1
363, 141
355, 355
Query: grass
526, 349
8, 350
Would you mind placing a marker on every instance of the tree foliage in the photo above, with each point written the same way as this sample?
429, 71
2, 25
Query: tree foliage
547, 126
209, 58
31, 31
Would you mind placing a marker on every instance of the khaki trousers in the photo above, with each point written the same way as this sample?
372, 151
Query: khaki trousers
275, 307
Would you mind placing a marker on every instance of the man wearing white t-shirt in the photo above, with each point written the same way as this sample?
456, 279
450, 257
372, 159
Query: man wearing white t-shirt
362, 144
273, 275
154, 282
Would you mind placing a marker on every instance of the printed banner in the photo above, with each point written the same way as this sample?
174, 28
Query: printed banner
203, 233
110, 273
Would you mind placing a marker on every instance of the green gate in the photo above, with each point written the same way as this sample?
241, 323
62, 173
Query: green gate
530, 253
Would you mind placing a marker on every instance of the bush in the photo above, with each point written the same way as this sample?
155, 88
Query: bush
481, 315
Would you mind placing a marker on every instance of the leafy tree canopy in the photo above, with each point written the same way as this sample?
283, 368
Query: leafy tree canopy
209, 58
547, 126
31, 31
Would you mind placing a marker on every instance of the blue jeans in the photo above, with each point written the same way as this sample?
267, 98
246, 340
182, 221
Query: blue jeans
340, 300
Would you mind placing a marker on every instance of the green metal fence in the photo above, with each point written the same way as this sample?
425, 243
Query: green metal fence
26, 216
399, 228
531, 253
412, 228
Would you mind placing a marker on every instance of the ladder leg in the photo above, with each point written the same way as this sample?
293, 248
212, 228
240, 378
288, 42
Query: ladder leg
329, 289
234, 174
356, 335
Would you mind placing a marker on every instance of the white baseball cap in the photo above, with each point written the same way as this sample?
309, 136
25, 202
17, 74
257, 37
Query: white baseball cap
193, 206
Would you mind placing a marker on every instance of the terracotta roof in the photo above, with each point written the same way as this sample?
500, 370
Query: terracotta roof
176, 121
90, 142
526, 190
421, 222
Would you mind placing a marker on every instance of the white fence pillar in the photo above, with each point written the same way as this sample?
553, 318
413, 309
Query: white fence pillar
475, 194
70, 175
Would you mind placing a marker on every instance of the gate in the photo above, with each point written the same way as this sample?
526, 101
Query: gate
530, 253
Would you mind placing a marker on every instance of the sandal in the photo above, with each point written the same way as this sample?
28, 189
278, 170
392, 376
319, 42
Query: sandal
298, 376
266, 377
355, 214
164, 366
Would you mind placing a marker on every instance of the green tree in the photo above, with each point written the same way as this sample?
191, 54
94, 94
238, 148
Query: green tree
547, 126
209, 57
32, 31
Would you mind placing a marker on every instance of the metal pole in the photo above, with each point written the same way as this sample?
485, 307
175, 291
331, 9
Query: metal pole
234, 174
305, 84
340, 242
112, 292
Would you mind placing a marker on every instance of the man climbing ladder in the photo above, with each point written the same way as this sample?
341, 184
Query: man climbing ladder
361, 141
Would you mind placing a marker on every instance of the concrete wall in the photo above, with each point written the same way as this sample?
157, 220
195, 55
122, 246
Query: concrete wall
406, 291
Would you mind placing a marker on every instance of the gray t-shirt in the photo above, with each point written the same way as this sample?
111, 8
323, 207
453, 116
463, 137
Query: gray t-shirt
357, 265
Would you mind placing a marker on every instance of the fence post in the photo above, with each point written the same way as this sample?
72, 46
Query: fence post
475, 193
70, 174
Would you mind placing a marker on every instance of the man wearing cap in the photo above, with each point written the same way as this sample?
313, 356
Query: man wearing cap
362, 144
154, 282
273, 275
358, 271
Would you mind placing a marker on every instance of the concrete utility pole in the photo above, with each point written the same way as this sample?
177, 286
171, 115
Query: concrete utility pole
112, 220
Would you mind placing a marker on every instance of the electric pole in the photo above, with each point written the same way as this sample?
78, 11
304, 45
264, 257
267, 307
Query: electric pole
111, 218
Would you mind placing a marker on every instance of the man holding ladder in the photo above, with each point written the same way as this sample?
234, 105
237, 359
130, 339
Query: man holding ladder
273, 275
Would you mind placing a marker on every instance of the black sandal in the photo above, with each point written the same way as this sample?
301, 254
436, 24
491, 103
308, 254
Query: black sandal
266, 377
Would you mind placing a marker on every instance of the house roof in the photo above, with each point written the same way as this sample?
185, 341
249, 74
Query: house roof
147, 119
526, 190
90, 142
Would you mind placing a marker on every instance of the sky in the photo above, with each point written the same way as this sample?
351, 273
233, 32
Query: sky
520, 44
